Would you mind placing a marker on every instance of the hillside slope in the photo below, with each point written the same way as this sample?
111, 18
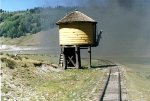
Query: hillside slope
34, 77
19, 23
43, 38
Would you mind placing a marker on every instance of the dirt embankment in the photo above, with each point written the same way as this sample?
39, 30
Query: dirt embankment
35, 77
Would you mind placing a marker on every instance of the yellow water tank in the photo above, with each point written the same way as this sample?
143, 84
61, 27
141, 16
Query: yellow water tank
77, 28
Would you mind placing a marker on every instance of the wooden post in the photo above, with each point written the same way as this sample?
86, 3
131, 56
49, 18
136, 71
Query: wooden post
61, 57
78, 60
64, 59
89, 51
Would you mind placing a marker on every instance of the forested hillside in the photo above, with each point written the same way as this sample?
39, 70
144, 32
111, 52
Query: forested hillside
30, 21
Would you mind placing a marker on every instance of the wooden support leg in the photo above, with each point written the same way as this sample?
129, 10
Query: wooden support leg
78, 60
89, 51
64, 59
61, 57
77, 56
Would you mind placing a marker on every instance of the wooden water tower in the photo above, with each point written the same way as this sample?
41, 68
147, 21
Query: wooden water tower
76, 31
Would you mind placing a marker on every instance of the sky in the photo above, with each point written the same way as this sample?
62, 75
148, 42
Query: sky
15, 5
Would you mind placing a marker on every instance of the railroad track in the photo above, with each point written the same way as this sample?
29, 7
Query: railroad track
112, 87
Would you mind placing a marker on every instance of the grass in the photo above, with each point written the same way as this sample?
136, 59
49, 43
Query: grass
41, 57
35, 83
70, 84
24, 40
138, 82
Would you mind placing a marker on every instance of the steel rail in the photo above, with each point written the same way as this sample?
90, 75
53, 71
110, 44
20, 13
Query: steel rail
106, 85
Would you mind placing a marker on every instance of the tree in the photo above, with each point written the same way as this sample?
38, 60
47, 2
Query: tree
1, 11
18, 23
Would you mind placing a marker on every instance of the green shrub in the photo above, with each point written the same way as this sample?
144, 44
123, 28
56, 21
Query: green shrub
1, 53
26, 57
10, 63
25, 65
12, 56
5, 89
3, 59
19, 58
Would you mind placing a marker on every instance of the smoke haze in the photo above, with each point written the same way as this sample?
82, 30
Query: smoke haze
125, 25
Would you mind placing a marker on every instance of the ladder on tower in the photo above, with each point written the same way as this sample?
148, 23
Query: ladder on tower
61, 60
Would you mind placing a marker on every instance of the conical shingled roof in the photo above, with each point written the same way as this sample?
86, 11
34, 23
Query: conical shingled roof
75, 16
